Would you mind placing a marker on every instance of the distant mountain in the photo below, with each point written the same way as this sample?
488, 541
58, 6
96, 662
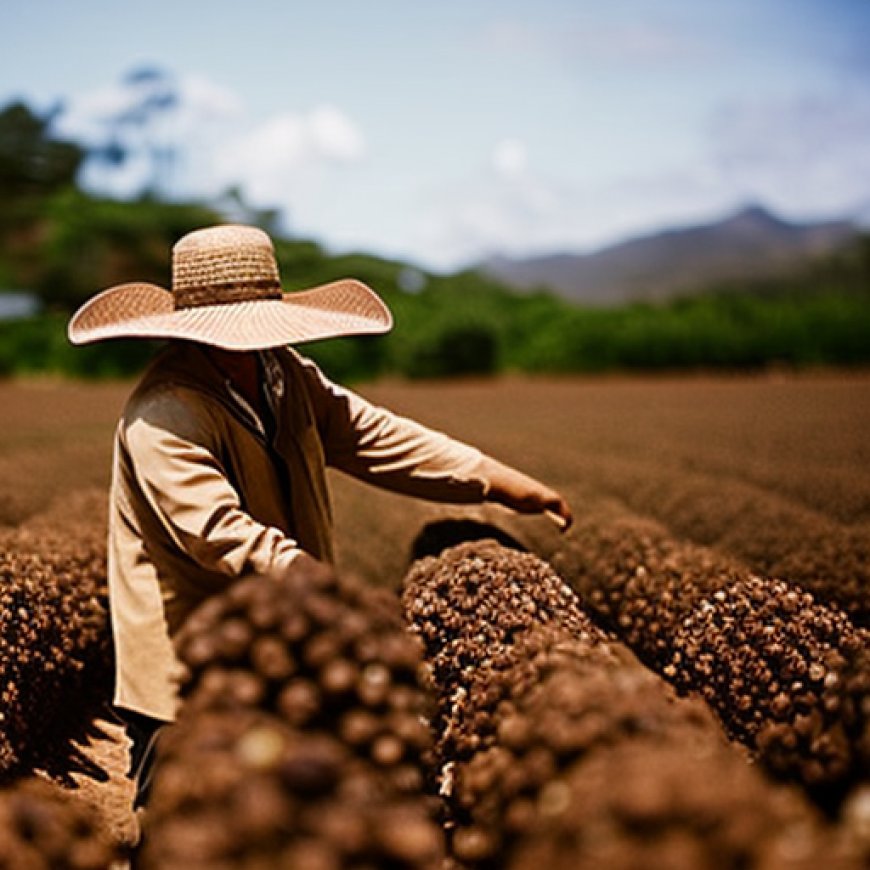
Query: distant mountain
749, 244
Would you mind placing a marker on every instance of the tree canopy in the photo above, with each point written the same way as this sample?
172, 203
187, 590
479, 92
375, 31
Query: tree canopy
32, 162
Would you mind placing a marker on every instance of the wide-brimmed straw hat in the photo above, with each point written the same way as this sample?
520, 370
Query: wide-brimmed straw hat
226, 291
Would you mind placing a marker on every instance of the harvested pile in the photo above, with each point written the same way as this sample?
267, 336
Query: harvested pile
482, 611
300, 741
787, 675
243, 788
55, 649
769, 532
42, 826
560, 750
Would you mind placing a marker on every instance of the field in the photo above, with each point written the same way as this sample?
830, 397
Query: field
721, 553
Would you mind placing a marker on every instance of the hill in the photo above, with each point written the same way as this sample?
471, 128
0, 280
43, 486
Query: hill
751, 244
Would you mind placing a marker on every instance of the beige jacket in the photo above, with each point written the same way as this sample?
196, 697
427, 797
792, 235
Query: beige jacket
201, 495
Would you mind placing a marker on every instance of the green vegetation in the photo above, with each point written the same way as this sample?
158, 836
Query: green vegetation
444, 331
711, 331
64, 245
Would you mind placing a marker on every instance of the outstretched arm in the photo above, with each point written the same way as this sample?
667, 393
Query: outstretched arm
395, 453
522, 493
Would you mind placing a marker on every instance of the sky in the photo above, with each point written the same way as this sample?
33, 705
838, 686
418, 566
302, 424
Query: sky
446, 132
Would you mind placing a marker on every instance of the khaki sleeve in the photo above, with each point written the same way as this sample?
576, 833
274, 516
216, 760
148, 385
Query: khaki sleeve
181, 479
393, 452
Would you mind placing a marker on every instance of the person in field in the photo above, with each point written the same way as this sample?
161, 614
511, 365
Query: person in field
221, 451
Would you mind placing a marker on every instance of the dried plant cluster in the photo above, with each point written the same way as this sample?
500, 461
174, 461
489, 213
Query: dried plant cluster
770, 471
483, 611
42, 826
558, 749
787, 674
301, 739
55, 649
773, 534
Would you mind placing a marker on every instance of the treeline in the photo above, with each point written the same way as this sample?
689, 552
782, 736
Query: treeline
65, 245
465, 325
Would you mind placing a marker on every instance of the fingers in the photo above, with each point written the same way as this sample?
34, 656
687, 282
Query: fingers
557, 519
559, 512
544, 501
524, 494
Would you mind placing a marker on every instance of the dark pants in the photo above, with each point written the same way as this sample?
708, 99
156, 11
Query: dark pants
143, 732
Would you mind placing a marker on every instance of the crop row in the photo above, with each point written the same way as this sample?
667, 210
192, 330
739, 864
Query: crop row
767, 531
787, 674
55, 650
558, 749
811, 479
43, 826
303, 737
300, 742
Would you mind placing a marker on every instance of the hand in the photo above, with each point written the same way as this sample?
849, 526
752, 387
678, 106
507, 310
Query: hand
305, 566
524, 494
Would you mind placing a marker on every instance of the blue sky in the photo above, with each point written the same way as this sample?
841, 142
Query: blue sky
448, 131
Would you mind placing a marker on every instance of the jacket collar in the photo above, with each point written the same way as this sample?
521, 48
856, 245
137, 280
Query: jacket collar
188, 364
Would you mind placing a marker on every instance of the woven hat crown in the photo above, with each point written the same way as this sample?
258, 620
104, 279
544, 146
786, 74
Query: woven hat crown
224, 264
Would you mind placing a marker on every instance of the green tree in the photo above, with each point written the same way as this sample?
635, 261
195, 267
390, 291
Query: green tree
88, 244
32, 162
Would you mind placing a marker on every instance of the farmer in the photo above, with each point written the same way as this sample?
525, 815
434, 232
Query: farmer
220, 453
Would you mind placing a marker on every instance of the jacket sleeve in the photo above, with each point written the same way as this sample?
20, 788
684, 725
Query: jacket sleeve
390, 451
182, 481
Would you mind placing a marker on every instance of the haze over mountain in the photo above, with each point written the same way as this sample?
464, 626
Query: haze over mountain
751, 243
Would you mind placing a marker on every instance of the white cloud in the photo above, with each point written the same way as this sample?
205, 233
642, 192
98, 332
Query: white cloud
334, 135
85, 116
509, 158
206, 140
808, 153
805, 157
179, 116
641, 43
88, 117
598, 40
206, 98
270, 160
518, 213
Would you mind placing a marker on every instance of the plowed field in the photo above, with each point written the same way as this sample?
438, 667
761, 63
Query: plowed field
715, 631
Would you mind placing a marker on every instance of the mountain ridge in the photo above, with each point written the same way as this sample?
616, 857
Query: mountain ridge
750, 243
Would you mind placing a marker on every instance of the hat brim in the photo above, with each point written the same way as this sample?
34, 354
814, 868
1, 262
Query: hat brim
341, 308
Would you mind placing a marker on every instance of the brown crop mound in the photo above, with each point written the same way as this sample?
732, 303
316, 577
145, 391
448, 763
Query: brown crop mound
43, 826
559, 749
786, 674
549, 750
300, 742
55, 649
